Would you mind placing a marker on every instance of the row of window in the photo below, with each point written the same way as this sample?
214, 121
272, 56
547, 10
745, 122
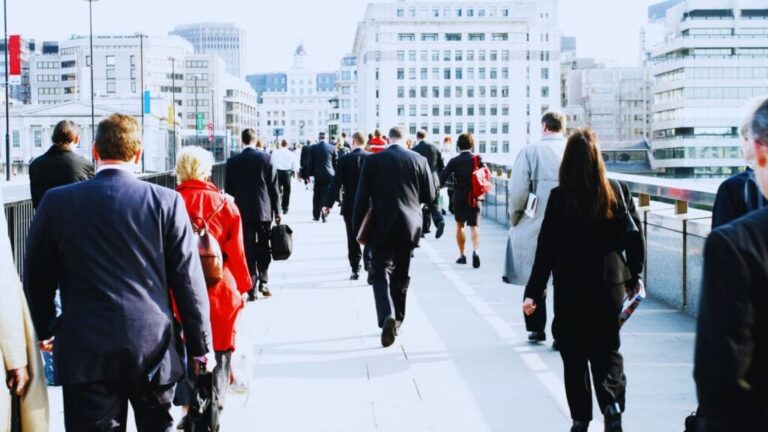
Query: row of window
197, 64
458, 92
448, 110
698, 153
451, 56
712, 73
458, 73
742, 93
448, 12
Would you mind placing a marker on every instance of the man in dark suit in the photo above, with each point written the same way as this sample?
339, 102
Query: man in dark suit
117, 247
60, 165
252, 180
731, 362
348, 177
436, 166
321, 164
394, 184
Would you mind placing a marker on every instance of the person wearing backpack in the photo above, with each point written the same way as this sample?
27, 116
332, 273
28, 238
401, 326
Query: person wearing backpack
216, 215
466, 207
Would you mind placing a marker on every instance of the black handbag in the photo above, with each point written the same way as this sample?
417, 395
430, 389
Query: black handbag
281, 241
615, 268
203, 415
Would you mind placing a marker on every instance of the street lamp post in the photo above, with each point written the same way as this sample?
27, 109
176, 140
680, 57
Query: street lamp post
141, 82
7, 99
93, 90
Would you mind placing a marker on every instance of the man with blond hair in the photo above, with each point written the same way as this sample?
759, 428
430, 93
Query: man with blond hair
114, 246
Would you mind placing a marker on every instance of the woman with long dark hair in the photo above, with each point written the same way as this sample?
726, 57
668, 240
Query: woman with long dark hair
585, 244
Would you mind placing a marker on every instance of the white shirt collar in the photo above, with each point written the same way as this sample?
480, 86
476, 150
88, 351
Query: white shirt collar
126, 167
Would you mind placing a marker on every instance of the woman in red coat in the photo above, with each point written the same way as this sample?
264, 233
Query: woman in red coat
204, 201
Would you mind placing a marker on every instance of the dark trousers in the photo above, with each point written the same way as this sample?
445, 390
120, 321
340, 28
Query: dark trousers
431, 213
257, 249
538, 321
322, 188
103, 406
284, 179
221, 374
391, 265
450, 201
607, 367
354, 252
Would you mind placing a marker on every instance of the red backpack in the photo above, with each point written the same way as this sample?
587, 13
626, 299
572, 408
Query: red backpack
481, 182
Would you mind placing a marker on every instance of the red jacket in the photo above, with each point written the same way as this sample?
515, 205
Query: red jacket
377, 145
201, 199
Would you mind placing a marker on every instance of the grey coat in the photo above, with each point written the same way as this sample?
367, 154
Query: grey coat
535, 171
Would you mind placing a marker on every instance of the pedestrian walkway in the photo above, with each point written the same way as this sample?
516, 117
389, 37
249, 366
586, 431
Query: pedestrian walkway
461, 364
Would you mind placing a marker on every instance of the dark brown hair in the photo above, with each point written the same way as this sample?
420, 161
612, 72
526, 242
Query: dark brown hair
284, 143
118, 138
466, 141
248, 136
553, 121
583, 179
358, 138
65, 132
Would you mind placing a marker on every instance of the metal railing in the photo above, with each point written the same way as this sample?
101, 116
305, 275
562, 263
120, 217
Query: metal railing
676, 224
19, 212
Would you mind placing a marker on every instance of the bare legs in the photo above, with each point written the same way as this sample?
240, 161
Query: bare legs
461, 238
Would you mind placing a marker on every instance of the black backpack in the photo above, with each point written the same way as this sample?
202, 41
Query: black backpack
281, 239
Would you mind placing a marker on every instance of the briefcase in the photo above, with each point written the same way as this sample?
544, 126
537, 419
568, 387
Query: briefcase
203, 415
365, 228
281, 239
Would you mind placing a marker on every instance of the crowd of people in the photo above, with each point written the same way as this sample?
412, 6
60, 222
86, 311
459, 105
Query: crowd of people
115, 273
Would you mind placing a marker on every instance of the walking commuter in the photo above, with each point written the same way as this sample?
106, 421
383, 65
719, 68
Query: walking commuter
393, 185
303, 159
341, 149
118, 245
436, 166
60, 165
739, 194
252, 180
345, 140
19, 354
347, 178
321, 164
377, 144
730, 366
466, 210
285, 163
448, 151
534, 175
582, 244
217, 213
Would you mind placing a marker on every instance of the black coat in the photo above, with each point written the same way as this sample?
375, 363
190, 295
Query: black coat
347, 178
586, 259
731, 362
304, 162
56, 168
432, 154
461, 167
321, 162
252, 180
736, 196
395, 182
116, 247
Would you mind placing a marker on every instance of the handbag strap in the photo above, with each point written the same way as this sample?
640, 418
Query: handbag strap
210, 217
475, 162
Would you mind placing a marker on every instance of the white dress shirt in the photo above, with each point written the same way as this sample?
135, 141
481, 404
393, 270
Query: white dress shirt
284, 160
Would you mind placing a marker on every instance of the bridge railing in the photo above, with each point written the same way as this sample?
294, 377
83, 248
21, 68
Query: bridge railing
19, 212
677, 218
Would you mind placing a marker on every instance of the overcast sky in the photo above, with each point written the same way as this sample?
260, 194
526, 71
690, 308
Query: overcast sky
606, 29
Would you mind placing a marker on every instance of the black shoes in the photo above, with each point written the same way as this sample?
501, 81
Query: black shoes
612, 417
555, 346
388, 332
324, 218
580, 426
537, 336
475, 260
440, 230
252, 295
506, 280
264, 290
462, 260
355, 276
371, 278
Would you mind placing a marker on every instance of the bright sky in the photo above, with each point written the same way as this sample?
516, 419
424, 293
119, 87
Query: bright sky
606, 29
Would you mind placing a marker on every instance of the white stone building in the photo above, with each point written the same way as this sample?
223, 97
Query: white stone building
714, 58
222, 39
346, 87
487, 67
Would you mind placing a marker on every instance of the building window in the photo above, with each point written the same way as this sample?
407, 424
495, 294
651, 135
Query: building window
453, 37
406, 37
401, 56
545, 92
37, 137
110, 60
400, 13
544, 73
401, 73
16, 139
429, 37
477, 37
500, 36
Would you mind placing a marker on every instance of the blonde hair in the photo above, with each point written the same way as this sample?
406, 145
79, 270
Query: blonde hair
193, 163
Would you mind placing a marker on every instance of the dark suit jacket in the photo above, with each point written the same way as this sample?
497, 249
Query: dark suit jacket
116, 246
731, 362
581, 254
348, 177
737, 196
432, 154
461, 166
304, 163
321, 162
56, 168
395, 182
252, 180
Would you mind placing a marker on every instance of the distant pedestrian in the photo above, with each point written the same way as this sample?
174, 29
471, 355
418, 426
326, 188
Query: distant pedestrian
448, 151
118, 245
377, 144
341, 149
394, 184
217, 213
466, 212
252, 180
60, 165
345, 140
286, 166
534, 174
347, 178
321, 165
730, 366
436, 166
583, 244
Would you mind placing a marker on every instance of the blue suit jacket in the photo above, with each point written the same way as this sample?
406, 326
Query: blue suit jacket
116, 246
252, 180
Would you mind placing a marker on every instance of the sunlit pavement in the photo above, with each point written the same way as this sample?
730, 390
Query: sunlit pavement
461, 363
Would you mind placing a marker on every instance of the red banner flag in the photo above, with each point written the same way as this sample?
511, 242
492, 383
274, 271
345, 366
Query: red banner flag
14, 55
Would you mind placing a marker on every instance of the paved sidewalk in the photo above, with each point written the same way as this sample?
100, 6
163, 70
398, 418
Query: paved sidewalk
461, 364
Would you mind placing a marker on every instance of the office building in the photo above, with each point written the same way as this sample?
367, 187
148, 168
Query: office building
346, 88
222, 39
